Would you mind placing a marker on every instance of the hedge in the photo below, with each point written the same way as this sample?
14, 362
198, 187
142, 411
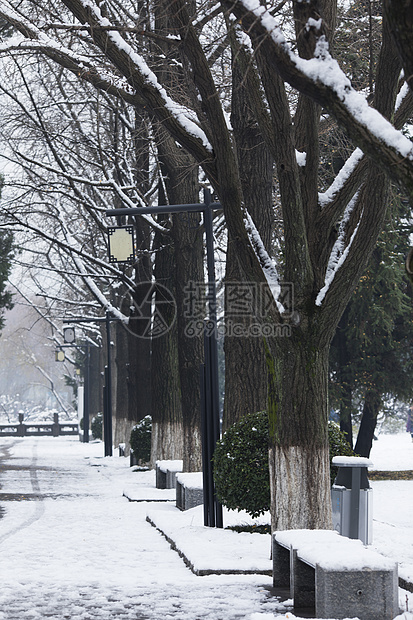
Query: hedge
240, 463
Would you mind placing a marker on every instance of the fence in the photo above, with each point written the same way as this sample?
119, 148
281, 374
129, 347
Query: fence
39, 429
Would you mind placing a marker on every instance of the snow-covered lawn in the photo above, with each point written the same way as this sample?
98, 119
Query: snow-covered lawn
86, 552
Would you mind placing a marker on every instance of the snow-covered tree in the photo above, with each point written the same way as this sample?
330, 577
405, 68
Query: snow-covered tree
328, 233
50, 135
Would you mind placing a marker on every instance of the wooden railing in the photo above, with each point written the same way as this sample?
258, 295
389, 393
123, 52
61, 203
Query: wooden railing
39, 429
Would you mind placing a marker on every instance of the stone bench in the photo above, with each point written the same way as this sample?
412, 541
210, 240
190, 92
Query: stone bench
335, 575
189, 490
166, 473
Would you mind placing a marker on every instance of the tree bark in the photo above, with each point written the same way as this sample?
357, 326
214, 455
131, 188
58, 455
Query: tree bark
299, 453
167, 430
245, 370
181, 180
371, 408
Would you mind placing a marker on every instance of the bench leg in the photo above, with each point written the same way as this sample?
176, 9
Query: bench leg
302, 582
160, 479
369, 595
281, 565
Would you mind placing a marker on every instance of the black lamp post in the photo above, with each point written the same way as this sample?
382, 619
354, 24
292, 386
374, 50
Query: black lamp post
209, 372
69, 338
107, 394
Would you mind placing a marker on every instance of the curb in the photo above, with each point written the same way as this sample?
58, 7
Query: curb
205, 572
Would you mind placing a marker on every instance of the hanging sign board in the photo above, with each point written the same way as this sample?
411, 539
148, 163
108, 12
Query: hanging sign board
121, 244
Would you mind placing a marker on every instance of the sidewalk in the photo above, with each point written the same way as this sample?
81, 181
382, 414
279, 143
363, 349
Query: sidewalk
74, 547
83, 551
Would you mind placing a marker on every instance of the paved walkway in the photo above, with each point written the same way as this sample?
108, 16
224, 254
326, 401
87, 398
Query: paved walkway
72, 547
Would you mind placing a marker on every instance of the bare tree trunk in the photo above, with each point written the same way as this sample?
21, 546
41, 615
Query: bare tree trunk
120, 380
139, 375
245, 371
299, 452
167, 441
187, 237
181, 179
371, 408
95, 382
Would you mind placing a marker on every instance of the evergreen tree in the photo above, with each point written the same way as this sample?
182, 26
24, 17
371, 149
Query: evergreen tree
371, 353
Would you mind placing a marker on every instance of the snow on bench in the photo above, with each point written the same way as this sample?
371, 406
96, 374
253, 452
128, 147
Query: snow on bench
189, 490
166, 473
338, 576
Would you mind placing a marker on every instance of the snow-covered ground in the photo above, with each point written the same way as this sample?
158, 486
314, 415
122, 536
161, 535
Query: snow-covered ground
86, 552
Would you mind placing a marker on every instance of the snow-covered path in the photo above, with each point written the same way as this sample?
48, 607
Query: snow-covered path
71, 546
83, 551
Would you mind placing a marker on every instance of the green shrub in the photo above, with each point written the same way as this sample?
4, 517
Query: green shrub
339, 446
140, 439
96, 426
240, 462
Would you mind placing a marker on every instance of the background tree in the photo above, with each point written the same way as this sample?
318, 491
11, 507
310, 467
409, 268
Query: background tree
372, 349
7, 250
110, 143
28, 371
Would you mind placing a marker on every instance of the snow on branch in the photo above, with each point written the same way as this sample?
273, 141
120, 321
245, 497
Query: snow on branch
184, 116
325, 69
322, 79
342, 176
404, 91
339, 252
266, 262
33, 38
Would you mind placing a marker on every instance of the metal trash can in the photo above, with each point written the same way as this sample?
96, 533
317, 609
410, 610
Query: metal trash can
352, 498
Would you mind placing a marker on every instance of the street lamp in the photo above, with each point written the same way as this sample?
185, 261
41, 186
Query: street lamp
69, 335
209, 371
107, 390
121, 244
59, 355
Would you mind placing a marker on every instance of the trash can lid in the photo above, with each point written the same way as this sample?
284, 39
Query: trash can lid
351, 461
